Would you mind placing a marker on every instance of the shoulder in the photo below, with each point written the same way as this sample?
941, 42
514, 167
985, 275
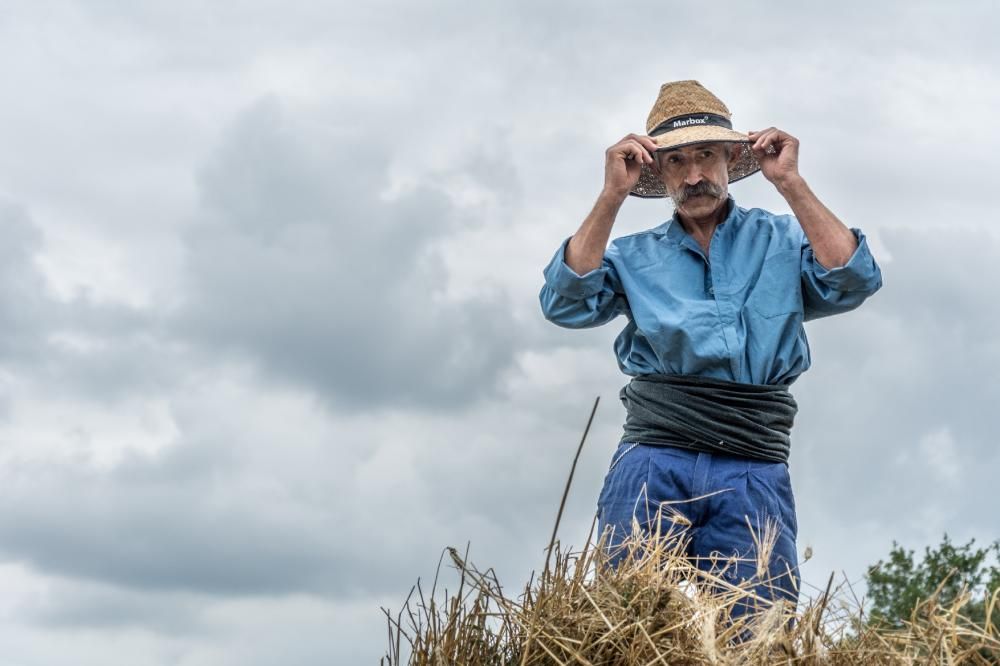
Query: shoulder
781, 229
633, 251
640, 239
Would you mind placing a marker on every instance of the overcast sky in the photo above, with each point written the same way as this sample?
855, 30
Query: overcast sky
269, 282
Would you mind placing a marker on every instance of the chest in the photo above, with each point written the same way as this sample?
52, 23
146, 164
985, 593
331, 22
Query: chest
755, 274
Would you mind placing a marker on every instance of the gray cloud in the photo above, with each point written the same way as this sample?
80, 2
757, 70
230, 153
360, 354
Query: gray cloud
23, 307
98, 607
339, 285
898, 418
170, 536
204, 517
324, 280
103, 351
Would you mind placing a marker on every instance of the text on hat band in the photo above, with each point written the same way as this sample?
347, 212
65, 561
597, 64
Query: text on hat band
678, 122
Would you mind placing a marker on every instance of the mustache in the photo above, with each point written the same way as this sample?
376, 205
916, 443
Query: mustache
704, 187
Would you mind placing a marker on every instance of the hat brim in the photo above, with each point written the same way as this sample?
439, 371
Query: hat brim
650, 186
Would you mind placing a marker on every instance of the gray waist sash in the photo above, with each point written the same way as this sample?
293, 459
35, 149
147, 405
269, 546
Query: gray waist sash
711, 415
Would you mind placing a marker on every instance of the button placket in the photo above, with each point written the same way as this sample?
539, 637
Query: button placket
713, 255
726, 307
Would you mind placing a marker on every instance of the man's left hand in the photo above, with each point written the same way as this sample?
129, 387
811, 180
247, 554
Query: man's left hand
778, 155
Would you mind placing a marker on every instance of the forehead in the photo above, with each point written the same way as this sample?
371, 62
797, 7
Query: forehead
694, 147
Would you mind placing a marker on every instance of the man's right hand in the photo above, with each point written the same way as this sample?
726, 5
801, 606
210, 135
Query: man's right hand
623, 163
622, 166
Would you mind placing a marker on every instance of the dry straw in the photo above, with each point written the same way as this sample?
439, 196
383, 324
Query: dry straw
657, 607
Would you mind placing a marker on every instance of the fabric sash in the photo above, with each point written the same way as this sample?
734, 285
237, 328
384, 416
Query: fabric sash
710, 415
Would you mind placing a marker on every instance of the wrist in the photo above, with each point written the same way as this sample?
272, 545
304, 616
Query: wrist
791, 186
612, 197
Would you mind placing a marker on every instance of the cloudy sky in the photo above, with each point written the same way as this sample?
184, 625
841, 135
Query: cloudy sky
269, 279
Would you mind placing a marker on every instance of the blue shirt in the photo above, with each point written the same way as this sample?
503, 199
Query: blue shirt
735, 315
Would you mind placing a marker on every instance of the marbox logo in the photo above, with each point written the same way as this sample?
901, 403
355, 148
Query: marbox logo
691, 121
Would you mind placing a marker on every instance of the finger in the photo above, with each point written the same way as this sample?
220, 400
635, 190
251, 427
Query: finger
623, 149
778, 137
631, 138
768, 141
764, 132
760, 146
638, 152
787, 138
766, 138
648, 143
775, 138
763, 149
769, 149
778, 141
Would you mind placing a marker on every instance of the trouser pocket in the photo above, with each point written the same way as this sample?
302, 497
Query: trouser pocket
621, 451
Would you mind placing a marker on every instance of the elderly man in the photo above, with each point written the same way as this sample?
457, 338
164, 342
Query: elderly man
715, 300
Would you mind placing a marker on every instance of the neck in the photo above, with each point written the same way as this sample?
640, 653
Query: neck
702, 228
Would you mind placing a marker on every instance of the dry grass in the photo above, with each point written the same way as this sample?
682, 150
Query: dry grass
656, 607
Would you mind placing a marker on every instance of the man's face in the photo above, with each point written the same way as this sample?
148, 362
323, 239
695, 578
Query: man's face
696, 177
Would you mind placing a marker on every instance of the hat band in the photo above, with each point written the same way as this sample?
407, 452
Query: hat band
694, 119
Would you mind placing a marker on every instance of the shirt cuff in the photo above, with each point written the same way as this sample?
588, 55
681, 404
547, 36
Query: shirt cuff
860, 273
564, 280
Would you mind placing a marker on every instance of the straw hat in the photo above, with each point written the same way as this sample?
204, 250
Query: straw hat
687, 113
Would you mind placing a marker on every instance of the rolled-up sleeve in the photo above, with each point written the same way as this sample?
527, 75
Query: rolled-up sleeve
829, 291
581, 301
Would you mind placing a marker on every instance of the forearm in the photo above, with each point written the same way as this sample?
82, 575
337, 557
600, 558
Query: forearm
585, 249
832, 242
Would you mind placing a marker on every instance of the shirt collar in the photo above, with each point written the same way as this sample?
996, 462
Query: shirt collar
675, 230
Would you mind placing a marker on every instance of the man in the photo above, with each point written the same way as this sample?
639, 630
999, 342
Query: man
715, 300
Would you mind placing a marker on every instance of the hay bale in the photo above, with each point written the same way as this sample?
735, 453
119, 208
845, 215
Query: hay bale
657, 607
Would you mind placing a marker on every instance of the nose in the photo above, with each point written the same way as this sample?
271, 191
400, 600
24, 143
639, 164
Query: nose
693, 175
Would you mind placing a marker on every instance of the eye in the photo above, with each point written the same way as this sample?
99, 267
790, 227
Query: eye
707, 153
673, 159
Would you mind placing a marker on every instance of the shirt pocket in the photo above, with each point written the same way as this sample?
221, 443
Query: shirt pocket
778, 290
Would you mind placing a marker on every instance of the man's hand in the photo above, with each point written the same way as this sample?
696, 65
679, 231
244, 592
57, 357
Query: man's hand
623, 163
622, 166
778, 155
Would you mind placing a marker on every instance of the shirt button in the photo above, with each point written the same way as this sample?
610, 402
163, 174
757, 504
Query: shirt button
711, 290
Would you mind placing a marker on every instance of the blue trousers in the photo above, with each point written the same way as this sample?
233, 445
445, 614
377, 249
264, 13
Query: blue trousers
742, 493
